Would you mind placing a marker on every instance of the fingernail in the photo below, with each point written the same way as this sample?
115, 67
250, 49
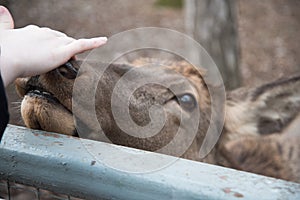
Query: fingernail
99, 41
104, 39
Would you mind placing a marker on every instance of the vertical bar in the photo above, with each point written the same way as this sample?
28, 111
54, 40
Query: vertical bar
38, 193
8, 189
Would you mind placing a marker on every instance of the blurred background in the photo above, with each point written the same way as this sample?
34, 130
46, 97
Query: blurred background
252, 42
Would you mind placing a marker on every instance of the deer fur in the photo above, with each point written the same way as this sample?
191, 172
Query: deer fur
260, 134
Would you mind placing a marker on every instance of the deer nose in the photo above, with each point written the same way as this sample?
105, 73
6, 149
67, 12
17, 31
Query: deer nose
69, 70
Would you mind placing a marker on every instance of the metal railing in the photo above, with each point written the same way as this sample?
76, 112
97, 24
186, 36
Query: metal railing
62, 164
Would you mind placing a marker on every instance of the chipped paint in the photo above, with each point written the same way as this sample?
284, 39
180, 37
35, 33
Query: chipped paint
67, 168
223, 177
230, 191
238, 195
227, 190
45, 134
93, 162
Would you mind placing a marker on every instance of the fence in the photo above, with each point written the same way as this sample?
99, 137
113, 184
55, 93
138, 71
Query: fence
61, 164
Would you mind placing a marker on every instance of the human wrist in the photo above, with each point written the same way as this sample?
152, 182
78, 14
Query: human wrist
7, 71
8, 63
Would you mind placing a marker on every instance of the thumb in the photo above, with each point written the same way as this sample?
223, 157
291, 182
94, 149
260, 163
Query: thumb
6, 20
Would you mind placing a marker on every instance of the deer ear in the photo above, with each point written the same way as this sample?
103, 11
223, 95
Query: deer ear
264, 110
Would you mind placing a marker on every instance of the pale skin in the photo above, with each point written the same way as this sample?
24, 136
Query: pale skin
33, 50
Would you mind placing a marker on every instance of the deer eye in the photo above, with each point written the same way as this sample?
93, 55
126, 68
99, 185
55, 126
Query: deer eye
67, 70
187, 101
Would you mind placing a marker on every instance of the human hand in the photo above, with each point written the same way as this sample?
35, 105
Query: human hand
33, 50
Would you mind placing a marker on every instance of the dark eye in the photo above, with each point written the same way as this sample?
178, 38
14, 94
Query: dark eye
187, 101
67, 70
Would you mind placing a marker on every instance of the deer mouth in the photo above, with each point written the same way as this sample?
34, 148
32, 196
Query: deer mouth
44, 96
28, 88
40, 93
45, 110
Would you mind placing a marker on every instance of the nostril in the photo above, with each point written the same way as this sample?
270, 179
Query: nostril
67, 71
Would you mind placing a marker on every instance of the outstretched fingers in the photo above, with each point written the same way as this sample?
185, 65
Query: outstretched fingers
81, 45
69, 50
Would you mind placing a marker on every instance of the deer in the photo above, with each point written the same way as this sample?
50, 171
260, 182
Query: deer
260, 133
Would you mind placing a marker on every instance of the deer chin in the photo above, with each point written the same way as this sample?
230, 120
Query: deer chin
41, 110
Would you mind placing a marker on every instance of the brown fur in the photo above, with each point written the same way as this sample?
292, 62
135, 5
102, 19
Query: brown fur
258, 123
